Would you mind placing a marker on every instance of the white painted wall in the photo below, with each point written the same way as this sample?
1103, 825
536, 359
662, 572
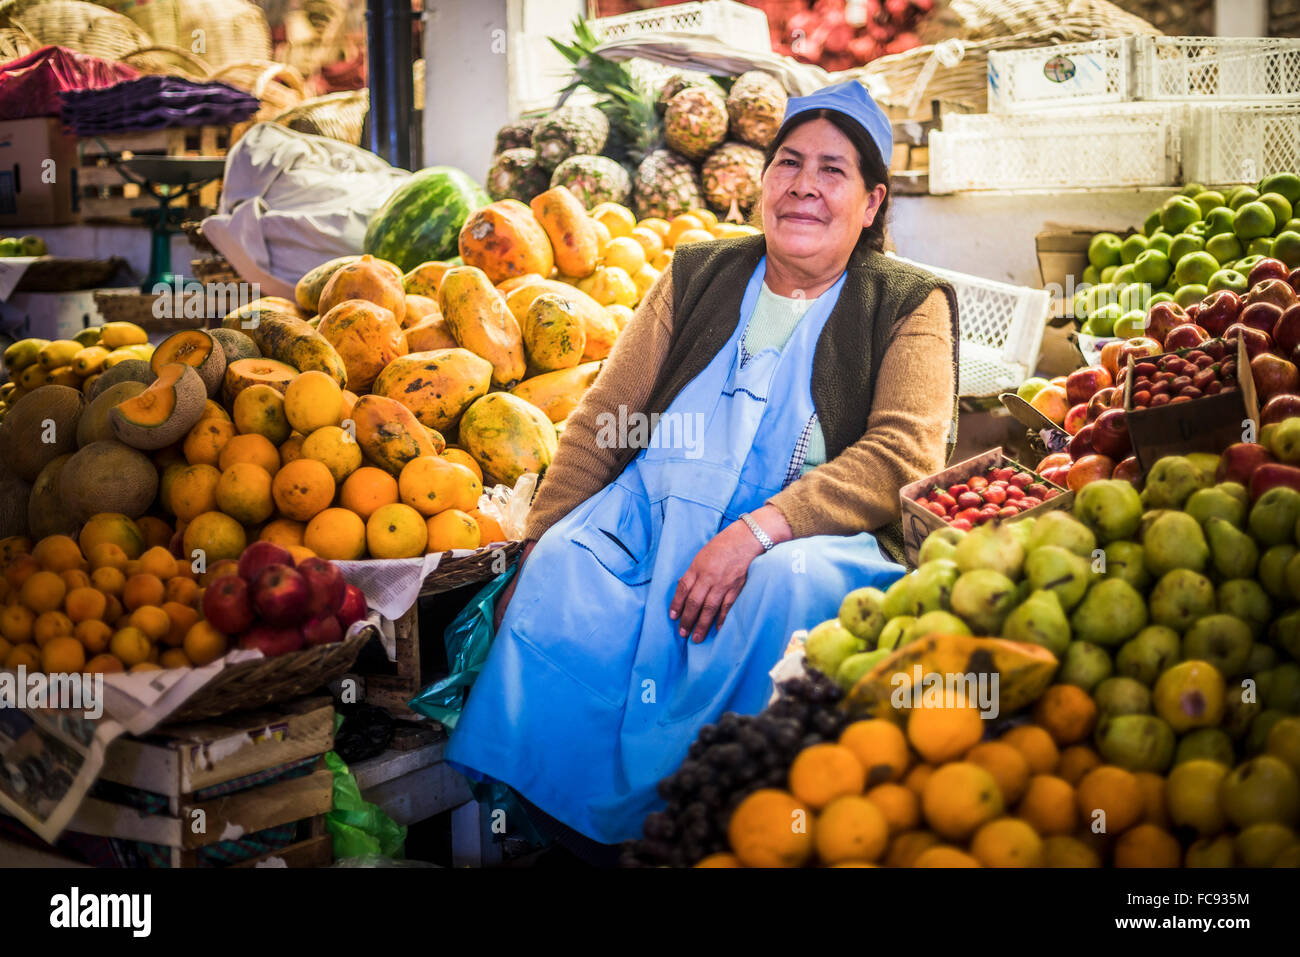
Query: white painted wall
1241, 18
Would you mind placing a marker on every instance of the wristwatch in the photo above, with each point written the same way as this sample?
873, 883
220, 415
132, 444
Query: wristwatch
763, 538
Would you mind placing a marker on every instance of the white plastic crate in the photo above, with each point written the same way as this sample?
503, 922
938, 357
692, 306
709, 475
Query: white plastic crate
1001, 328
1241, 142
1115, 146
734, 24
1063, 75
1265, 69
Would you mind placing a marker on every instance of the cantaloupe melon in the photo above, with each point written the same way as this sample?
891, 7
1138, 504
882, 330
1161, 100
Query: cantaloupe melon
236, 344
164, 412
107, 477
14, 493
46, 513
95, 424
40, 427
131, 370
195, 348
245, 372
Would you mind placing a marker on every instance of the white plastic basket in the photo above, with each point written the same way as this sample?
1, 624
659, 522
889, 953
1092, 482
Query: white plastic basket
1100, 147
734, 24
1263, 69
1001, 328
1241, 142
1064, 75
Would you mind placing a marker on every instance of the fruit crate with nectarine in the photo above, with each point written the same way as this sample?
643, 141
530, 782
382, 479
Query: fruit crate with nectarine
1215, 407
988, 487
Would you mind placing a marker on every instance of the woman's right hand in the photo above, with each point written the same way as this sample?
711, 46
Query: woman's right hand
503, 601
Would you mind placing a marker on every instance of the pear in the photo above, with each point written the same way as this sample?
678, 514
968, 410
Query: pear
1291, 575
862, 614
1148, 517
1239, 710
828, 644
941, 543
1127, 560
1148, 653
1062, 529
1181, 597
1246, 599
898, 599
1211, 852
983, 597
1112, 612
1236, 490
934, 622
1233, 552
1285, 631
1023, 529
1261, 845
1039, 621
1205, 744
1175, 540
1262, 790
992, 547
1273, 516
1260, 726
932, 585
1084, 665
1207, 503
1282, 689
1121, 695
1171, 481
855, 666
1262, 658
1110, 507
1222, 640
1205, 463
891, 635
1137, 742
1056, 569
1271, 572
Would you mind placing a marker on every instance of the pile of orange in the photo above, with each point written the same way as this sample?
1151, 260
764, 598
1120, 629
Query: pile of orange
93, 606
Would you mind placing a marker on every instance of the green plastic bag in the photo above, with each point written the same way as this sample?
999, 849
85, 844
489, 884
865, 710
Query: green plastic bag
359, 828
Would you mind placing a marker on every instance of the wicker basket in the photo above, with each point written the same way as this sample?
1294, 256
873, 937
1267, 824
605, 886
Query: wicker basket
15, 42
277, 85
339, 116
163, 58
467, 570
1089, 19
256, 684
221, 31
83, 27
57, 274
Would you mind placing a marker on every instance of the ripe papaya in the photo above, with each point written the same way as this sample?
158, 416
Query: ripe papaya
282, 335
600, 326
503, 239
389, 433
571, 231
425, 279
507, 437
554, 334
558, 393
307, 291
481, 322
418, 309
371, 279
437, 386
429, 335
366, 337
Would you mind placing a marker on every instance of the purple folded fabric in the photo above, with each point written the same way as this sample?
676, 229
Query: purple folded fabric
155, 102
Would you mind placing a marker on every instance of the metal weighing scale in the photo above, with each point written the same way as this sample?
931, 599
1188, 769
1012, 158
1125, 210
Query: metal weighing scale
166, 179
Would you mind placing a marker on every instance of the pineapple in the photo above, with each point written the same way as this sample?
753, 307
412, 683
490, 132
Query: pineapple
515, 135
593, 179
568, 131
756, 106
666, 184
682, 81
733, 178
516, 174
696, 121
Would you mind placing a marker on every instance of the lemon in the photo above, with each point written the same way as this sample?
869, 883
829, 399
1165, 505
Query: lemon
626, 253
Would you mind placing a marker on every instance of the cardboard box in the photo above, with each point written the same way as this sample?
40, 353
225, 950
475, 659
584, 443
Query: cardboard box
38, 173
919, 522
1208, 424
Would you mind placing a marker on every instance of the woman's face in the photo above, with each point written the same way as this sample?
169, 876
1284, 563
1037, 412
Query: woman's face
815, 203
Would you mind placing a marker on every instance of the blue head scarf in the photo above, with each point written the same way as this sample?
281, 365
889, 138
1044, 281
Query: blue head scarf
851, 99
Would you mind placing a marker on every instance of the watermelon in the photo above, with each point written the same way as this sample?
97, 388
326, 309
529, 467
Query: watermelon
421, 220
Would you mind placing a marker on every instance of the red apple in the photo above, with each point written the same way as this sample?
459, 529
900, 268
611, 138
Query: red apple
1239, 462
258, 556
325, 584
321, 630
1052, 460
1139, 347
1275, 290
1110, 434
354, 607
1051, 401
1163, 317
1129, 471
177, 547
271, 641
1081, 443
226, 604
1102, 401
1185, 336
1260, 315
1082, 384
1110, 357
1257, 342
1218, 311
1194, 311
1280, 407
1271, 475
280, 595
1293, 280
1286, 331
1057, 475
1273, 375
1266, 269
1090, 468
1075, 418
1216, 349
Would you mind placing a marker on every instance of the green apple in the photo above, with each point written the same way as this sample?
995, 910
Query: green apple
32, 246
1108, 274
1135, 296
1160, 297
1218, 221
1241, 195
1244, 266
1287, 184
1123, 275
1225, 247
1279, 204
1152, 267
1101, 322
1186, 295
1253, 220
1261, 246
1161, 241
1152, 223
9, 246
1228, 279
1196, 268
1286, 247
1104, 250
1132, 247
1031, 387
1131, 324
1192, 189
1183, 245
1178, 213
1091, 275
1208, 200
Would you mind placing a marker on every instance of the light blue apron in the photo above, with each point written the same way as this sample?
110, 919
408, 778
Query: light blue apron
589, 696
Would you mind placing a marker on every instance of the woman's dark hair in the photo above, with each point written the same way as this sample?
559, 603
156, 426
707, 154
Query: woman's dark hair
870, 164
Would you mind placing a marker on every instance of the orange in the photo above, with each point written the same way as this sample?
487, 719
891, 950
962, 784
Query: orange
720, 859
174, 658
312, 401
1153, 798
194, 491
431, 484
1061, 850
58, 553
944, 733
300, 553
86, 603
1007, 842
103, 665
337, 534
226, 566
916, 778
291, 449
156, 532
850, 828
204, 644
93, 635
452, 529
205, 441
1036, 745
335, 448
25, 655
244, 493
108, 555
111, 528
880, 747
159, 562
461, 457
130, 646
180, 618
1048, 805
367, 489
678, 225
75, 578
958, 798
145, 666
1076, 761
215, 536
1007, 765
1147, 846
51, 624
5, 647
1110, 799
183, 591
902, 808
1067, 712
250, 449
43, 591
282, 531
944, 856
109, 580
63, 655
151, 620
16, 622
489, 529
823, 772
396, 531
905, 848
771, 828
302, 489
13, 546
114, 611
20, 569
143, 589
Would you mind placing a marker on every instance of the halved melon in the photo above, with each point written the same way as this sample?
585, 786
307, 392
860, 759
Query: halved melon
164, 412
245, 372
195, 348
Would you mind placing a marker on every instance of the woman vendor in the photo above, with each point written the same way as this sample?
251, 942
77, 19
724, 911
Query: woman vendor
789, 384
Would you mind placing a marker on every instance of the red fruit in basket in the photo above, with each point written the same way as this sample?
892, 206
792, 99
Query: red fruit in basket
1022, 480
325, 584
1273, 375
1001, 474
227, 605
1051, 461
1138, 347
1129, 470
1110, 434
1286, 331
1280, 407
961, 524
1187, 335
958, 489
1076, 418
995, 494
1273, 289
977, 483
943, 498
280, 595
1239, 462
321, 630
1008, 511
1081, 444
1216, 349
937, 509
969, 500
271, 640
260, 555
1266, 269
1110, 357
1036, 490
1141, 398
1261, 315
1015, 493
1218, 311
1256, 341
1272, 475
1090, 468
1293, 279
354, 607
1082, 384
1163, 317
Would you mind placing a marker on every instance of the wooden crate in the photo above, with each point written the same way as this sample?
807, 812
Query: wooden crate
104, 196
909, 167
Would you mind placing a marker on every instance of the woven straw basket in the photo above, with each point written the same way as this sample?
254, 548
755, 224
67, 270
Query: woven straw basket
83, 27
163, 58
220, 31
339, 116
